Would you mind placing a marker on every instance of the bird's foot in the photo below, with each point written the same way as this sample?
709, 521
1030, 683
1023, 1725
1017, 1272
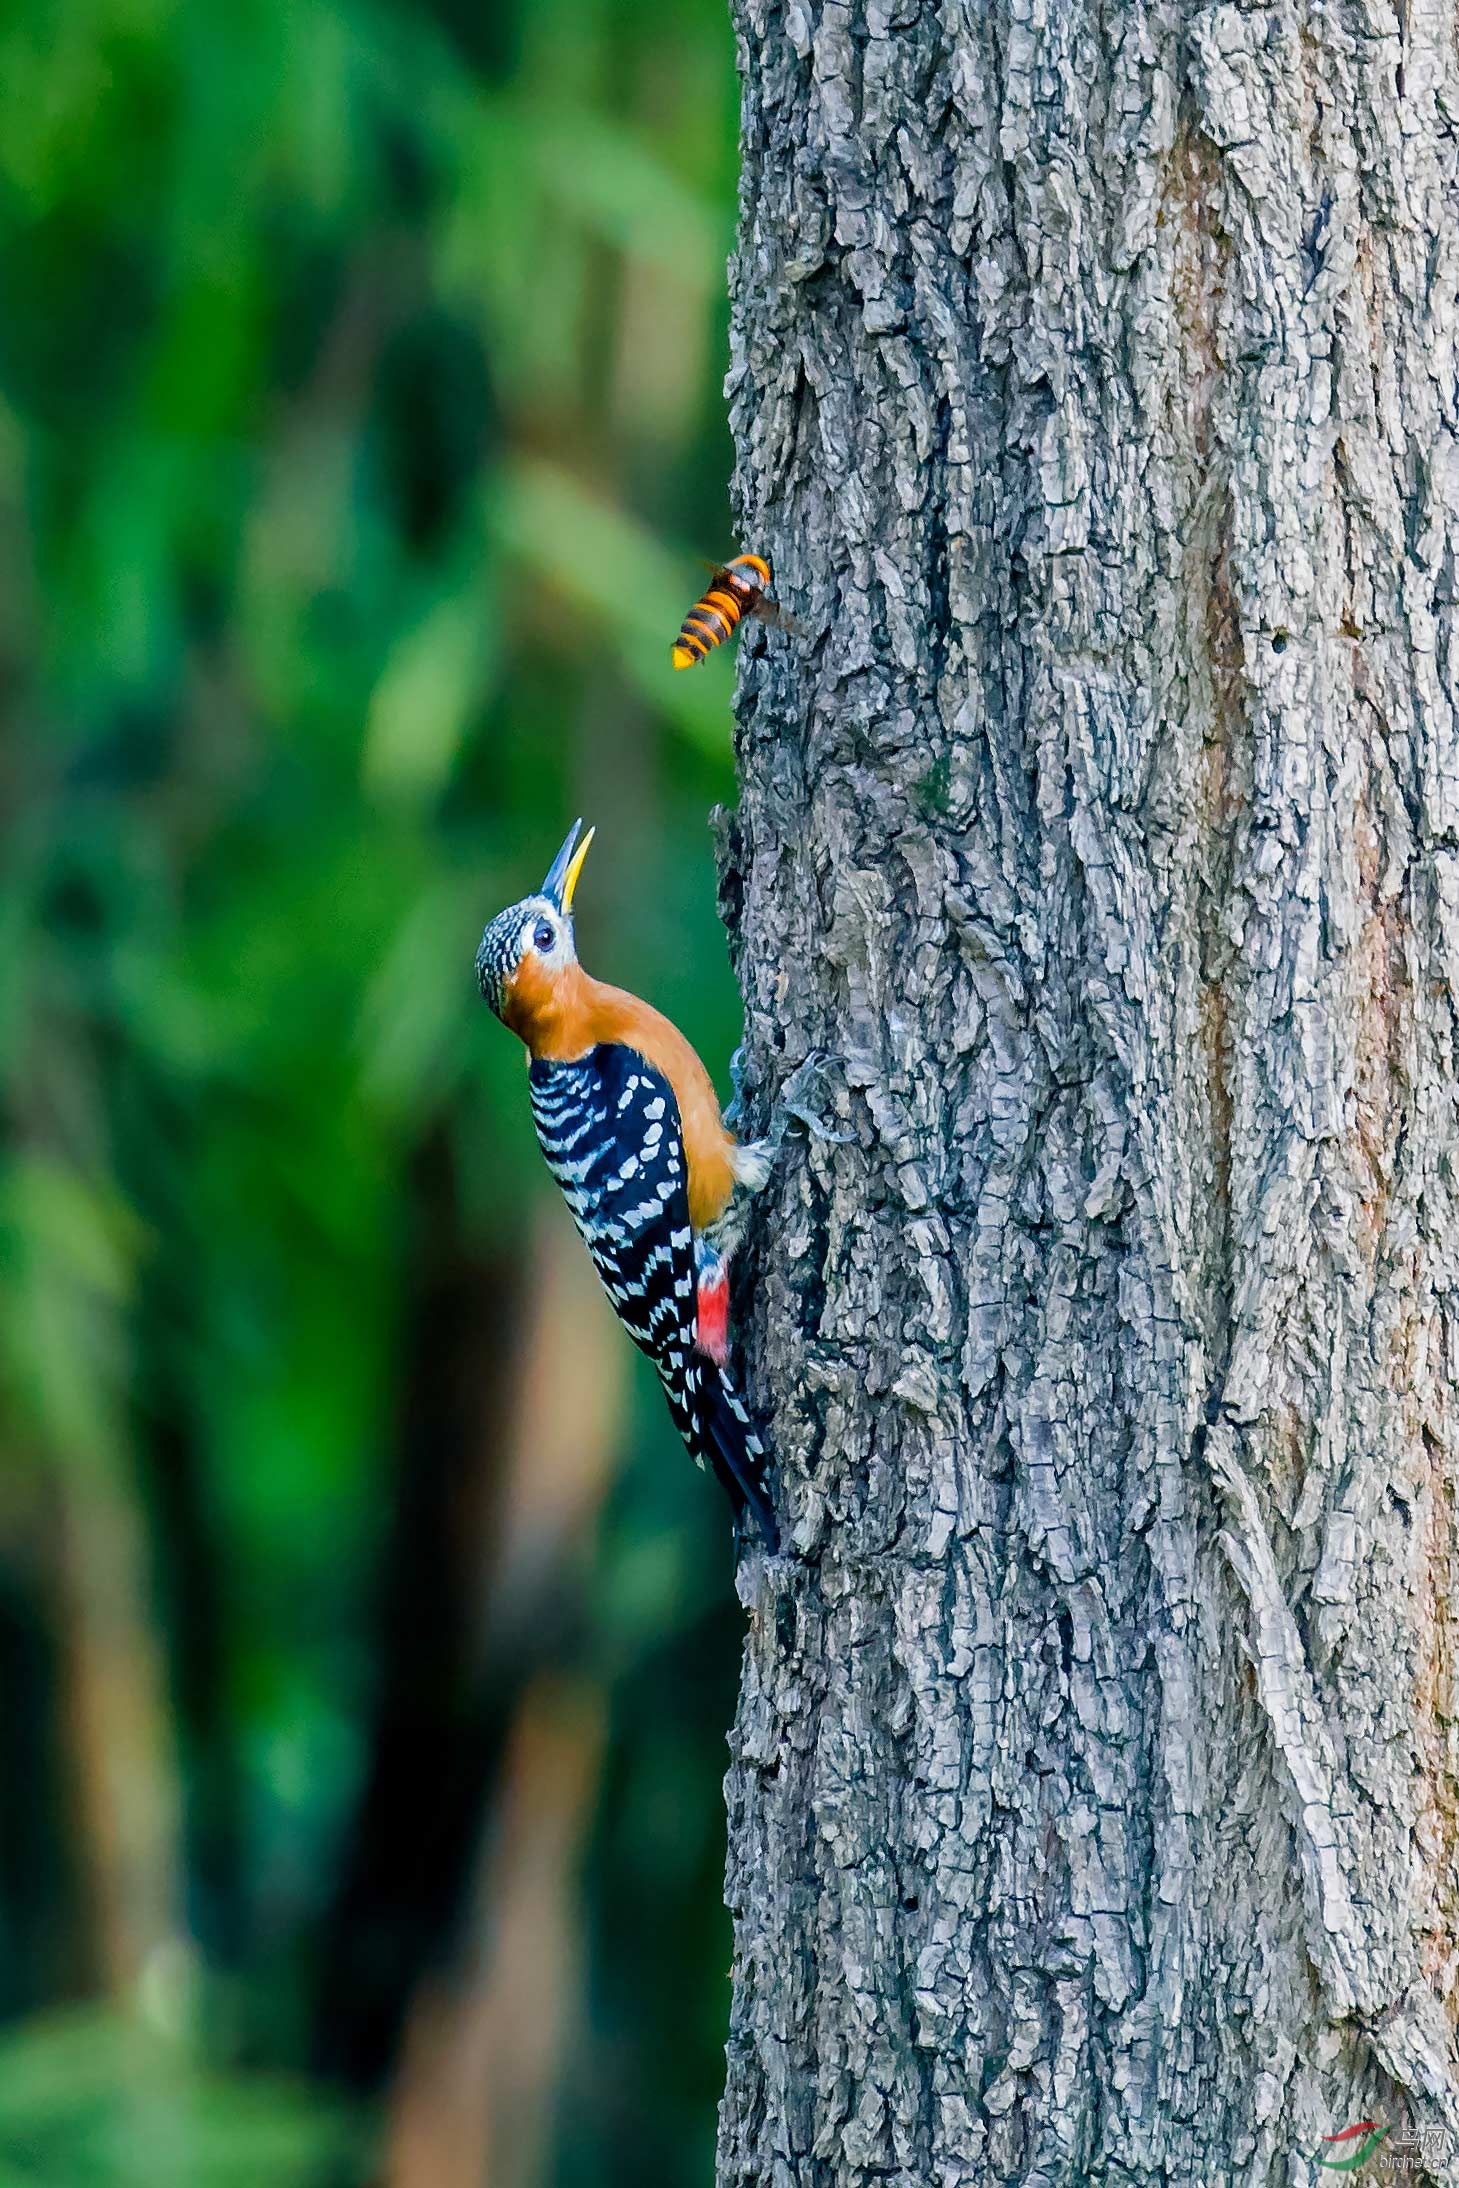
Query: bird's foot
803, 1099
734, 1113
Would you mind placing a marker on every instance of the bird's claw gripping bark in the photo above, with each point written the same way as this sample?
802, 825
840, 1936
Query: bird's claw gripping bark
757, 1158
734, 1113
797, 1103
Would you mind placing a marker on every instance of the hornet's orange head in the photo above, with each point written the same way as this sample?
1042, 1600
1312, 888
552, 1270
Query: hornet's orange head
527, 954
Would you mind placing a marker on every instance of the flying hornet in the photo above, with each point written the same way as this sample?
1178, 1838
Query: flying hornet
739, 587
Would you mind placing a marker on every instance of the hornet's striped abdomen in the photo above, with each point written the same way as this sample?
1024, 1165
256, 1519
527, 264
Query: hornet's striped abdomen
736, 590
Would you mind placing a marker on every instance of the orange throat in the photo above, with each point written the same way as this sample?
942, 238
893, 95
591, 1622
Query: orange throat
549, 1011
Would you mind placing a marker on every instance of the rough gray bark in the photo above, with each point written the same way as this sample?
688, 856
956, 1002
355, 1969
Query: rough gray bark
1095, 1794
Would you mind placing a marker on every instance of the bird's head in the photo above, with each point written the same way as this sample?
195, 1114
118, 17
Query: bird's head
527, 958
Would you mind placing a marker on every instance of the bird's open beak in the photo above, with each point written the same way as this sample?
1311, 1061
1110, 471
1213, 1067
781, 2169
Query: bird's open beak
562, 875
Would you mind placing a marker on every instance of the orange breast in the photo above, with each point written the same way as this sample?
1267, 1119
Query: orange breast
564, 1020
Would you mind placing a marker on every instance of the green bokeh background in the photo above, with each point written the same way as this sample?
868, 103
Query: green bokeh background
360, 426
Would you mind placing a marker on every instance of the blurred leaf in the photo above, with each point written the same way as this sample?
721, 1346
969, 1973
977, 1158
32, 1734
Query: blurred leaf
411, 1030
88, 2100
578, 543
67, 1254
83, 1231
606, 177
420, 707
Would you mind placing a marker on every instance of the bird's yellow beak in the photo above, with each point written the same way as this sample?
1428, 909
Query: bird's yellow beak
562, 874
570, 879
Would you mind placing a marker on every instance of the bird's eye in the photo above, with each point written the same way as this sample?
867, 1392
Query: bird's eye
543, 936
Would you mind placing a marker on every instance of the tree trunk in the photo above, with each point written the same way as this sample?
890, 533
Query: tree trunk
1094, 1810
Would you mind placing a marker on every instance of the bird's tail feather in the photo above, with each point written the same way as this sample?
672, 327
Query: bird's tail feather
734, 1451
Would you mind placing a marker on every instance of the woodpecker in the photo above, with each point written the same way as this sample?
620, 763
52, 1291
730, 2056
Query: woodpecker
628, 1121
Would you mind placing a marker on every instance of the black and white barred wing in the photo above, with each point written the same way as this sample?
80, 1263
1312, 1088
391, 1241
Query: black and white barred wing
609, 1129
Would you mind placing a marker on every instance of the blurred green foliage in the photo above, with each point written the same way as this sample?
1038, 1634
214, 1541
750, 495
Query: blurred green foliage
359, 426
87, 2097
